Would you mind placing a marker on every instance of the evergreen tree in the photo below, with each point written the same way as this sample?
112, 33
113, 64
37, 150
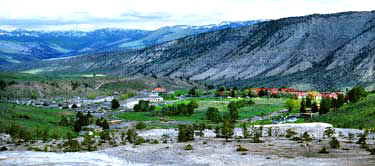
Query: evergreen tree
355, 94
245, 132
303, 105
193, 91
314, 107
233, 111
308, 102
228, 129
213, 114
185, 133
340, 100
325, 106
115, 104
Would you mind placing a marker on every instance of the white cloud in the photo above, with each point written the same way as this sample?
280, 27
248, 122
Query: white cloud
151, 14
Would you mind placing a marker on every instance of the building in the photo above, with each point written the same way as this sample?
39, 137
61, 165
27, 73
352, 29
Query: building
159, 90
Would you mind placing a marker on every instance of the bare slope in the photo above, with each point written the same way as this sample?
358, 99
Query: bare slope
315, 51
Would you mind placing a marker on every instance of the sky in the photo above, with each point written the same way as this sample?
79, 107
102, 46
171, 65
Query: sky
86, 15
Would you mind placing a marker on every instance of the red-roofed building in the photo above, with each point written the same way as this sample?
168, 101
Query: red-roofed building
159, 90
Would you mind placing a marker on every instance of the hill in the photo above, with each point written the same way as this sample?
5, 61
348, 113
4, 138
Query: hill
22, 45
324, 52
358, 115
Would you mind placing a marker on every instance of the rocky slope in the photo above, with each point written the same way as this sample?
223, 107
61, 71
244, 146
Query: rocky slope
23, 45
312, 52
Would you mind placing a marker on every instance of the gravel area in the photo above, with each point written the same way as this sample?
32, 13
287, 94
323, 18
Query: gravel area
209, 151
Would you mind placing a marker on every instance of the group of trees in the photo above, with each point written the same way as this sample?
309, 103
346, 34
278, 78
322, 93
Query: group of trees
82, 120
4, 84
102, 123
213, 115
355, 94
143, 106
180, 109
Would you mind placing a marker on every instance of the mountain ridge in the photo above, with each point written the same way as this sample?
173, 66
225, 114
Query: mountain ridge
23, 45
319, 51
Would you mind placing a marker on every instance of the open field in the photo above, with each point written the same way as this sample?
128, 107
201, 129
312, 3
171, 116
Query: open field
33, 119
263, 106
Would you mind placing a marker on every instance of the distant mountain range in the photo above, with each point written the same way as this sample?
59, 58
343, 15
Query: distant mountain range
324, 52
21, 45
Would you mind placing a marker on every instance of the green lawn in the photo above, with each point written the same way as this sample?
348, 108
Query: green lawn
262, 106
32, 118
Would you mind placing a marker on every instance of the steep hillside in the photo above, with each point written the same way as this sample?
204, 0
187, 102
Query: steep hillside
22, 45
311, 52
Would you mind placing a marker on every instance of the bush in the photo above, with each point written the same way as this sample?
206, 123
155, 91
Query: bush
155, 141
334, 143
140, 126
323, 150
139, 140
74, 106
131, 135
115, 104
185, 133
290, 133
227, 130
329, 132
362, 141
188, 147
241, 149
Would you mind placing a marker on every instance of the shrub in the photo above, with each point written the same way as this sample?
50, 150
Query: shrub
139, 140
334, 143
372, 151
131, 135
241, 149
323, 150
155, 141
362, 141
306, 137
351, 137
140, 126
245, 132
115, 104
188, 147
89, 142
105, 136
227, 130
185, 133
290, 133
123, 138
329, 132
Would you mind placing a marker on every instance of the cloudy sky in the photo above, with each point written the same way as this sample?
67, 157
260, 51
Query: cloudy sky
152, 14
